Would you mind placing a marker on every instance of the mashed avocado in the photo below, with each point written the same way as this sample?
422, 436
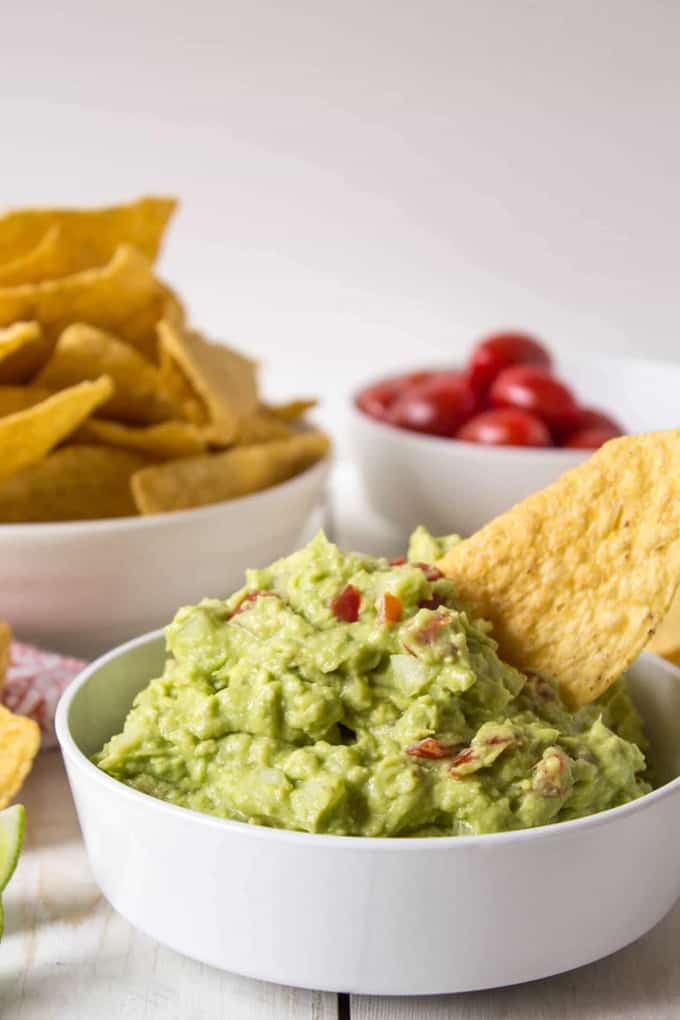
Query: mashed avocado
345, 694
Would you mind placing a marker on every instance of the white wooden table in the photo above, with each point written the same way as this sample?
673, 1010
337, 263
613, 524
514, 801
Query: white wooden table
66, 955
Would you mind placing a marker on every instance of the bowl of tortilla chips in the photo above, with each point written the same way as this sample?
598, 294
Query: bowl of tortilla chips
139, 464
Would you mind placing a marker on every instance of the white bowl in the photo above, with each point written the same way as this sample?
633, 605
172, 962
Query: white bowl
81, 587
449, 485
383, 916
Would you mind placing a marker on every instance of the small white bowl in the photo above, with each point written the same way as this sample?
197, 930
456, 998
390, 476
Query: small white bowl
80, 587
450, 485
378, 916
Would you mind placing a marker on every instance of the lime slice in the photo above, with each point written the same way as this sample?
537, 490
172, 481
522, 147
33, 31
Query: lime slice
12, 821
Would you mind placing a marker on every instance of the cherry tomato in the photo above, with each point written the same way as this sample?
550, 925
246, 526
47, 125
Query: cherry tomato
438, 405
345, 605
377, 399
502, 350
590, 418
390, 609
532, 389
505, 427
248, 600
590, 439
430, 747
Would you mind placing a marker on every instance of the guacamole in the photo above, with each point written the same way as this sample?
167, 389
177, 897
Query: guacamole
345, 694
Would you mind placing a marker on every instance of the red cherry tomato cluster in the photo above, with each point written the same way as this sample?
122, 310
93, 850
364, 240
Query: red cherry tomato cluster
506, 396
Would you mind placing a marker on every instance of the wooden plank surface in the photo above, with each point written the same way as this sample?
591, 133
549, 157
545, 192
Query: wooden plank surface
66, 955
641, 982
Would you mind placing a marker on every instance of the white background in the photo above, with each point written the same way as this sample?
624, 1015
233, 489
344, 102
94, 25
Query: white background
370, 183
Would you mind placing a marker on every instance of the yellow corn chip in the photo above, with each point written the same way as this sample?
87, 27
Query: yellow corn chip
48, 260
196, 481
25, 437
123, 296
13, 338
5, 646
292, 409
23, 349
84, 352
87, 237
577, 577
75, 483
216, 377
666, 640
167, 441
19, 398
185, 401
260, 427
19, 743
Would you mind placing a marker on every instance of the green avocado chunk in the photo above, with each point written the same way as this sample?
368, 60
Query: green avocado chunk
346, 694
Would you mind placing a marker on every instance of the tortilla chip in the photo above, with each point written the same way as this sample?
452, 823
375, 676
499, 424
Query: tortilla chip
23, 349
673, 657
14, 337
666, 640
260, 427
185, 401
219, 380
167, 441
123, 297
292, 410
25, 437
576, 578
19, 398
19, 743
86, 238
5, 647
48, 260
84, 352
197, 481
75, 483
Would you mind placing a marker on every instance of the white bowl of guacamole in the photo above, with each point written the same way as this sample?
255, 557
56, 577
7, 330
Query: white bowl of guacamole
332, 780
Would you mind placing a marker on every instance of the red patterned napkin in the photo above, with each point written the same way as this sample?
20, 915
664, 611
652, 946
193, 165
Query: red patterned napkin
33, 685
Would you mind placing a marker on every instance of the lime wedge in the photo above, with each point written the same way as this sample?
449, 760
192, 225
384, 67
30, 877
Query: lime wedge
12, 821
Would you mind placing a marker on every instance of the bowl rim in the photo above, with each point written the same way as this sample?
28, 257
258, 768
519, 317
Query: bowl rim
72, 752
56, 529
526, 453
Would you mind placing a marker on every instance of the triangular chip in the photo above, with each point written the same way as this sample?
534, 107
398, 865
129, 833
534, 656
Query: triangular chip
666, 640
19, 743
74, 483
23, 349
18, 398
292, 410
197, 481
84, 352
577, 577
260, 427
185, 401
173, 312
123, 297
166, 441
220, 379
87, 237
27, 436
5, 646
48, 260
